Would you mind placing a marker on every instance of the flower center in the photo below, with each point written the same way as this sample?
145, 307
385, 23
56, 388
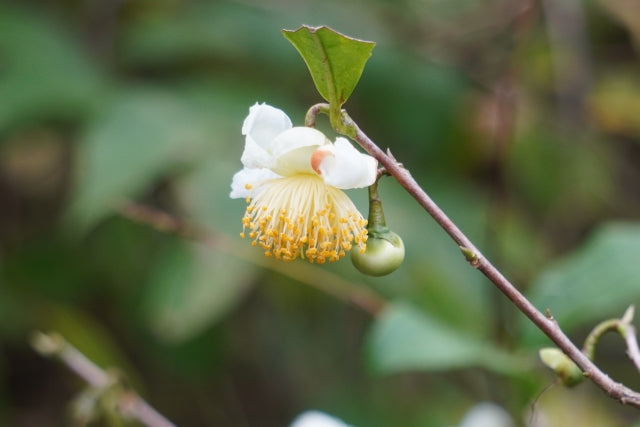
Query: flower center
300, 215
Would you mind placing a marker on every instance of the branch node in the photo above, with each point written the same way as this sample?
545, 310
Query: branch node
471, 256
627, 317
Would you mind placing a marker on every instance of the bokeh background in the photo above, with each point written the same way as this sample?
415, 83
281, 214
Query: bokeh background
520, 118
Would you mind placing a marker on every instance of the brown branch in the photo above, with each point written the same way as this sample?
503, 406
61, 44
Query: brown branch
633, 351
546, 324
129, 403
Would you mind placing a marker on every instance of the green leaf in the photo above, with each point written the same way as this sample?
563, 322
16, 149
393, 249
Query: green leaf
199, 30
334, 60
192, 287
405, 339
44, 72
596, 282
139, 136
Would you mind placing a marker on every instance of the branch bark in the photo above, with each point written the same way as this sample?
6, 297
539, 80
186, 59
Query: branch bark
129, 403
372, 303
545, 323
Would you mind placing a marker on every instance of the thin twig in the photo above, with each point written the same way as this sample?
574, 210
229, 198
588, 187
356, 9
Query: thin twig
129, 402
624, 327
330, 283
632, 345
547, 325
590, 343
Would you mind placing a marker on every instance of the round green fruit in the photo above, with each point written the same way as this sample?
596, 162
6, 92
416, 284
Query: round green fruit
382, 256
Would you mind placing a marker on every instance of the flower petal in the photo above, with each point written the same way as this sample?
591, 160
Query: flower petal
261, 126
344, 167
317, 419
254, 156
292, 150
248, 182
264, 123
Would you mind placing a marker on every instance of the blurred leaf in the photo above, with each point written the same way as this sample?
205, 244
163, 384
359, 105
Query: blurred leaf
405, 339
435, 276
192, 287
615, 103
520, 245
334, 60
416, 113
562, 406
137, 138
205, 192
597, 281
199, 30
562, 179
44, 73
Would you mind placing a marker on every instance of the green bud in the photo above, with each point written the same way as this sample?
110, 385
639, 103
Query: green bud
383, 255
565, 368
385, 249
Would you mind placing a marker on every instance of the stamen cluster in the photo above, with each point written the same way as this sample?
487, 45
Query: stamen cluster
301, 216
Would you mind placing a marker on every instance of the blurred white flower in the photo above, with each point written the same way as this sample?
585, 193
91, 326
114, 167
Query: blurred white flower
293, 179
487, 414
317, 419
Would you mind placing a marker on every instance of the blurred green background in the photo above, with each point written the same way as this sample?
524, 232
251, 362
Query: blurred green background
520, 118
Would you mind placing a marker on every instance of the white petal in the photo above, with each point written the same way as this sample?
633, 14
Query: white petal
264, 123
252, 178
254, 156
487, 414
297, 137
295, 162
344, 167
292, 150
317, 419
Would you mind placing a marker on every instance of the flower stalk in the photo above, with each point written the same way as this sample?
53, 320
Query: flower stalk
385, 250
377, 222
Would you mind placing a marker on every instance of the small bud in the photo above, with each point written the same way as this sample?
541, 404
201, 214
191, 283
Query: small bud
383, 255
565, 368
385, 249
46, 344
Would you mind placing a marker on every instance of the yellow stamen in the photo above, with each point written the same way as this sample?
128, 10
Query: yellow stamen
301, 216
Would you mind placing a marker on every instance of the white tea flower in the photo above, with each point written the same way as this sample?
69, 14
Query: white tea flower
317, 419
293, 179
